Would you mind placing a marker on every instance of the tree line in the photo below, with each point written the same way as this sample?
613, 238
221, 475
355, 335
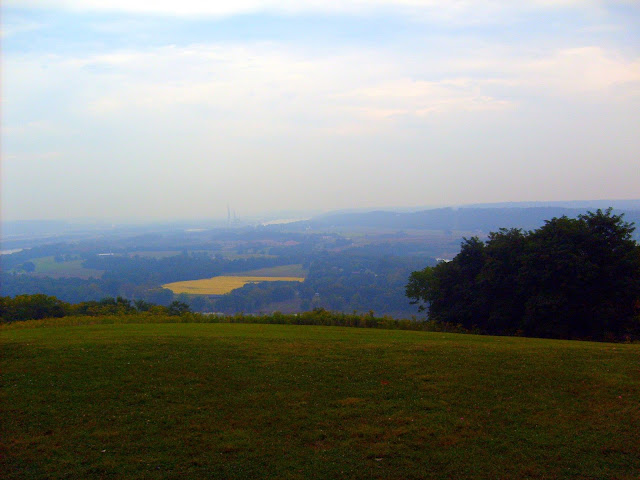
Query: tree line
359, 279
571, 278
39, 306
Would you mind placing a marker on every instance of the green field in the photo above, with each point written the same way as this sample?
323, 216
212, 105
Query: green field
154, 254
47, 266
294, 270
239, 256
232, 401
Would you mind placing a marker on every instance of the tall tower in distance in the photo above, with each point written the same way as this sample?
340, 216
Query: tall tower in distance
228, 214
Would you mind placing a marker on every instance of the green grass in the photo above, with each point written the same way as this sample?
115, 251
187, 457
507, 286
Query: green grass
190, 400
73, 268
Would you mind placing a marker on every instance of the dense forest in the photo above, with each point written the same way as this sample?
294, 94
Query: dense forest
571, 278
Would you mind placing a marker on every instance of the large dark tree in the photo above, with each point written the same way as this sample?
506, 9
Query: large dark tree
571, 278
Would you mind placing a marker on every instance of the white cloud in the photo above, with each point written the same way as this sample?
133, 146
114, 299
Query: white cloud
478, 10
599, 73
583, 70
271, 86
38, 157
299, 123
33, 129
18, 26
407, 97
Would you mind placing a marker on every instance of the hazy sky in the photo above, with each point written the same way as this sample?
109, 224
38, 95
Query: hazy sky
165, 109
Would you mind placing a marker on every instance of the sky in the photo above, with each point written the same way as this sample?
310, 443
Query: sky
131, 109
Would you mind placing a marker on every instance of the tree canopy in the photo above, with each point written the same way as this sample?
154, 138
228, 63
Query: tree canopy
571, 278
35, 307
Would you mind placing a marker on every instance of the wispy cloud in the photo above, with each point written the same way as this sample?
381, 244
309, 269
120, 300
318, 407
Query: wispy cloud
227, 76
275, 84
478, 10
306, 118
18, 26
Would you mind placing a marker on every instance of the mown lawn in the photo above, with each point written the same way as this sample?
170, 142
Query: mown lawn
176, 401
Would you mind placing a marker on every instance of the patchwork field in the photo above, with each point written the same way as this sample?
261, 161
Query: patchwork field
222, 284
226, 283
233, 401
294, 270
154, 254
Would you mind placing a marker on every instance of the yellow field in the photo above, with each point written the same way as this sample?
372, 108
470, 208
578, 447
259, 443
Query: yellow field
221, 285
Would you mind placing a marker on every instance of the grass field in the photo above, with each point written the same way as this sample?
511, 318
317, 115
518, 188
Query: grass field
47, 266
233, 401
226, 283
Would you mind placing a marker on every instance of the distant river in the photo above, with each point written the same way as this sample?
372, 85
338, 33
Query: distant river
8, 252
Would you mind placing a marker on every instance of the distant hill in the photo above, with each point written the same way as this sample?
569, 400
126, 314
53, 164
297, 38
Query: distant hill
465, 219
633, 204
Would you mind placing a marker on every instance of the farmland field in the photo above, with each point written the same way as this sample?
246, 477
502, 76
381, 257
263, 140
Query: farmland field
233, 401
222, 284
47, 266
154, 254
294, 270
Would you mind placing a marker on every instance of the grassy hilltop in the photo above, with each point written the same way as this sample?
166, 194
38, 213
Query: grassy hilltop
188, 400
